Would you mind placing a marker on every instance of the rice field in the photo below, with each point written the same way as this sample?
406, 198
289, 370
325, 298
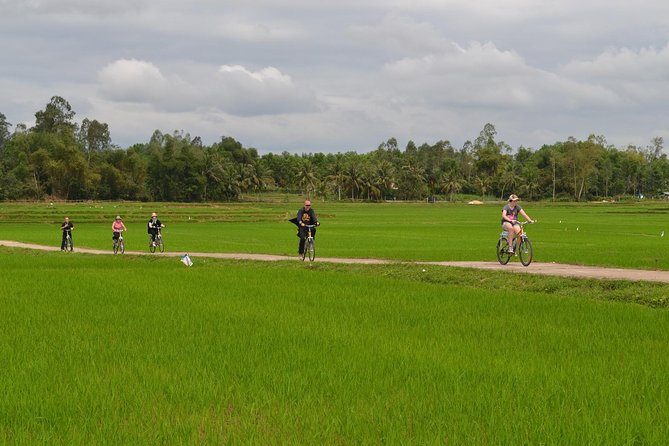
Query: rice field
143, 350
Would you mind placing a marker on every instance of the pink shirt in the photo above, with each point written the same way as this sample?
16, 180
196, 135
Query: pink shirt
117, 226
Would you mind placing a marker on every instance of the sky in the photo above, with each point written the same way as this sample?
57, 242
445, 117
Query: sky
324, 76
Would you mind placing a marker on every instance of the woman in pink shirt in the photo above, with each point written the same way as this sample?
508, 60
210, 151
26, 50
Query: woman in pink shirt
118, 227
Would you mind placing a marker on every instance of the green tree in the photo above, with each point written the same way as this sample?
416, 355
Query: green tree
94, 137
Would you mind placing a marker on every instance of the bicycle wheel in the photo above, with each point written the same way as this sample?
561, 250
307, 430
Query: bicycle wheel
503, 255
525, 252
310, 250
70, 246
161, 244
115, 246
152, 246
121, 246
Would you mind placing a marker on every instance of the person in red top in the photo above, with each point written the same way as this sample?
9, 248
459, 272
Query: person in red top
118, 227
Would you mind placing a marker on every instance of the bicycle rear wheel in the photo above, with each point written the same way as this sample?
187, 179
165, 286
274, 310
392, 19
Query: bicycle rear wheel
310, 250
525, 252
503, 255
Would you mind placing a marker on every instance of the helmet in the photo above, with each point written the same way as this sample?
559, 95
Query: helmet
513, 197
118, 217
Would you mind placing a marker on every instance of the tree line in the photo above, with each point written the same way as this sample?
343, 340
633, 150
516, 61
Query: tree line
61, 159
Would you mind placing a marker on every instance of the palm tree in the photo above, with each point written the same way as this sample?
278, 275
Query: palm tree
352, 179
384, 177
306, 178
337, 176
483, 182
414, 178
260, 177
452, 185
508, 179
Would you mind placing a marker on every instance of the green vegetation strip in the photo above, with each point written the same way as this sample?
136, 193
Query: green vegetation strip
605, 234
137, 350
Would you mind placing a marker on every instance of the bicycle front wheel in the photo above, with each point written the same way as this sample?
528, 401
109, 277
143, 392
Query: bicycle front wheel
161, 244
70, 245
525, 252
152, 246
122, 247
310, 250
503, 255
115, 246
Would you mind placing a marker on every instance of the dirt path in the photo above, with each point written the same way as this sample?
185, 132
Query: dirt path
550, 269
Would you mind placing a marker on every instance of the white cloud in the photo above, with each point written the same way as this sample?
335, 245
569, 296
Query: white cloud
401, 34
131, 80
346, 74
640, 77
231, 89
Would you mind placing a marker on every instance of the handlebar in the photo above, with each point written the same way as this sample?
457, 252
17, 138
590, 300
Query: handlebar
310, 226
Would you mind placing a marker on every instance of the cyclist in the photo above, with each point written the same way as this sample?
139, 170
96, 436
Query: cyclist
306, 216
154, 228
117, 227
67, 226
510, 219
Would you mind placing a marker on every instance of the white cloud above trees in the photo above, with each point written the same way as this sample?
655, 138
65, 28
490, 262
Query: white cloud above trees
343, 75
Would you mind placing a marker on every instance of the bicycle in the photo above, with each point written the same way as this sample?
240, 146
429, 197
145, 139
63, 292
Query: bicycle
524, 251
68, 242
309, 245
117, 243
157, 243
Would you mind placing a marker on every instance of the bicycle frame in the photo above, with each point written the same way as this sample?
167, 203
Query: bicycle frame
309, 244
520, 244
157, 242
118, 244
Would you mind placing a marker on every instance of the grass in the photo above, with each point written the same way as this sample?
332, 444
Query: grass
611, 234
142, 350
137, 350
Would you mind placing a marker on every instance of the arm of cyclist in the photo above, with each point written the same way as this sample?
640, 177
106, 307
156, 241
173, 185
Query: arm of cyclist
527, 217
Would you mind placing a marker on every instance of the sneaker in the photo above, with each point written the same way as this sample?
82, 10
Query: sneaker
510, 250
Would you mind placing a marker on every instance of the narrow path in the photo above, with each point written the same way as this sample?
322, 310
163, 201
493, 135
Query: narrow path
550, 269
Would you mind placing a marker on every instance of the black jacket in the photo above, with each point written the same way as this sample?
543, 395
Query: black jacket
307, 217
154, 227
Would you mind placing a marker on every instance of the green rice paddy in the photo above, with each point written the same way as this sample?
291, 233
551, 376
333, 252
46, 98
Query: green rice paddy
143, 350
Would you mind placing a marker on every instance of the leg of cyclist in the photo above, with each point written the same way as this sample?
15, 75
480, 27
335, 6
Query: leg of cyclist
512, 231
303, 238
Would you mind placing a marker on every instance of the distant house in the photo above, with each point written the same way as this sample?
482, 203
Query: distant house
665, 195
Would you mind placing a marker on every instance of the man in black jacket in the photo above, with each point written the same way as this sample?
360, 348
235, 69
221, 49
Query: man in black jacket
66, 227
306, 216
154, 227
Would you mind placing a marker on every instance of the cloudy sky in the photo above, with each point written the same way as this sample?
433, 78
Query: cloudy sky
325, 76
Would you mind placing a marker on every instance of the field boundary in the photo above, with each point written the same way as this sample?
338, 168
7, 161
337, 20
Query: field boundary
548, 269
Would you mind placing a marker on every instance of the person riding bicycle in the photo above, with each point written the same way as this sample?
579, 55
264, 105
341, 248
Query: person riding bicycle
67, 226
154, 228
117, 228
510, 219
306, 216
